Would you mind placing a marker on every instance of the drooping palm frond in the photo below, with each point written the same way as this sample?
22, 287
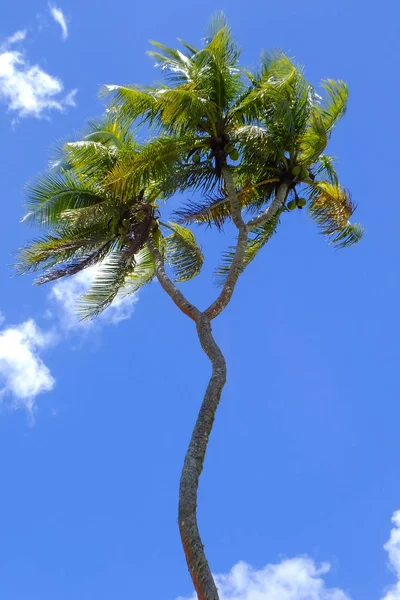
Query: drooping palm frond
65, 244
350, 235
331, 208
207, 212
52, 194
196, 177
257, 240
108, 282
183, 253
143, 273
120, 275
325, 169
77, 264
215, 210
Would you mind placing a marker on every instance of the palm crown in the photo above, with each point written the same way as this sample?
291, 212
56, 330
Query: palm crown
211, 123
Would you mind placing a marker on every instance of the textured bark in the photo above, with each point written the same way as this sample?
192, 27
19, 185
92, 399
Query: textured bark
195, 556
168, 286
237, 264
268, 213
194, 460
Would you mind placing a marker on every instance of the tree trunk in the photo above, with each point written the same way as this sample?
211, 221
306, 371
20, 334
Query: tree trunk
195, 557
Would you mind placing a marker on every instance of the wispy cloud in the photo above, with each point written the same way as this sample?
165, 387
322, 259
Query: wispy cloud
16, 37
65, 294
59, 18
23, 374
27, 89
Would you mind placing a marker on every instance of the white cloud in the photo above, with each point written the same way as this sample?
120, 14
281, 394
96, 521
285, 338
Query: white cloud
23, 374
298, 578
291, 579
59, 18
66, 293
392, 547
27, 89
18, 36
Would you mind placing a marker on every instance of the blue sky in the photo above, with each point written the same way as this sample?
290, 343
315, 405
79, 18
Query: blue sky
303, 468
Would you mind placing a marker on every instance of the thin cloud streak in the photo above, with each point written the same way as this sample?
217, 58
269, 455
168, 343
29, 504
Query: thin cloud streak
59, 18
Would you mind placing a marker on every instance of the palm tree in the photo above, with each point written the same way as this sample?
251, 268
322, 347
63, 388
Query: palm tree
252, 145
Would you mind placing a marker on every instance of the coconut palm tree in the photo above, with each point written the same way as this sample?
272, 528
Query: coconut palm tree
87, 223
251, 145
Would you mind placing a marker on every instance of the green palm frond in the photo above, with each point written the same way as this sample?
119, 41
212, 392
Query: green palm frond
109, 281
190, 49
257, 240
207, 212
334, 105
313, 141
176, 65
66, 244
181, 109
155, 161
218, 64
90, 159
75, 265
183, 253
217, 22
331, 208
143, 272
269, 86
51, 195
325, 169
131, 102
350, 235
199, 177
216, 210
255, 145
109, 131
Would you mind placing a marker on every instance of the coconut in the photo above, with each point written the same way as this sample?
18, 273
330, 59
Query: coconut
234, 155
301, 202
296, 170
196, 158
291, 205
304, 173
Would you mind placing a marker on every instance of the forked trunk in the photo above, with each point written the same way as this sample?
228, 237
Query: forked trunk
187, 515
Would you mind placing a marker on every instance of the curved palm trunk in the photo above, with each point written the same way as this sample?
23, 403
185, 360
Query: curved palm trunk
187, 517
193, 465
